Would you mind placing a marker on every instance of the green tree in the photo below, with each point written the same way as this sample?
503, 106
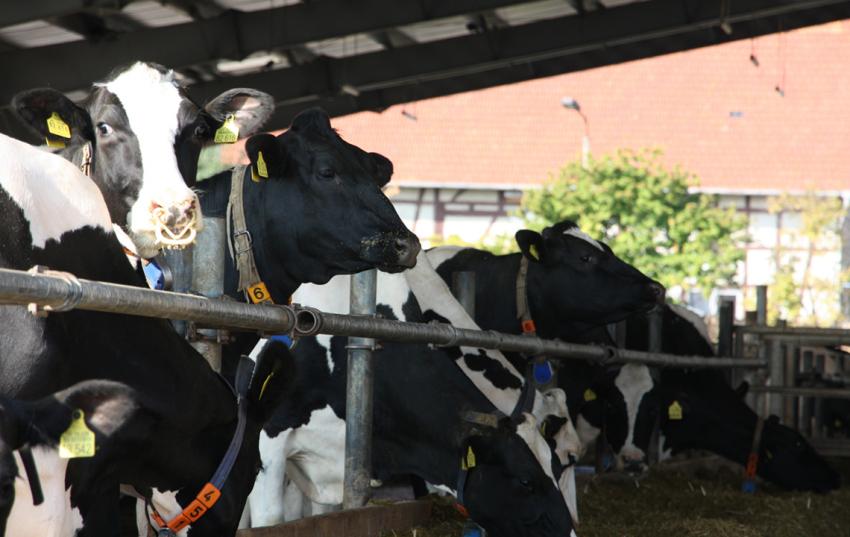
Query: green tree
648, 214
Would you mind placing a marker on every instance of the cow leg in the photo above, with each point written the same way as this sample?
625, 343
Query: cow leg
266, 499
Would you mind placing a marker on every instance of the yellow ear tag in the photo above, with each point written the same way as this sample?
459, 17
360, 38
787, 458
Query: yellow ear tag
58, 144
674, 411
57, 126
533, 251
589, 395
262, 170
543, 429
259, 293
228, 133
78, 440
265, 383
468, 462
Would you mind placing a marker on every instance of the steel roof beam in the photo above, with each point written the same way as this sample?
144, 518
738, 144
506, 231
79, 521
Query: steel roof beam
233, 34
663, 22
387, 78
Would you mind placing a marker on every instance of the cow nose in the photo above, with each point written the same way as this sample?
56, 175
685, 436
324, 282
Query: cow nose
406, 249
658, 292
180, 221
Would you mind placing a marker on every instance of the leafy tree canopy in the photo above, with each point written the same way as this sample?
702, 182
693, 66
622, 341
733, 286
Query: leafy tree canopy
648, 214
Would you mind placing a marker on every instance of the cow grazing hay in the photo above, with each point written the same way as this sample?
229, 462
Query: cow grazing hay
671, 503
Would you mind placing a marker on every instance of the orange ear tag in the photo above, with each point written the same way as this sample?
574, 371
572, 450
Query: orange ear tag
259, 293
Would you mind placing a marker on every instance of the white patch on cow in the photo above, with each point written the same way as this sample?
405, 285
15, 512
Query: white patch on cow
634, 381
579, 234
165, 502
693, 318
587, 433
53, 518
152, 102
439, 255
53, 194
310, 456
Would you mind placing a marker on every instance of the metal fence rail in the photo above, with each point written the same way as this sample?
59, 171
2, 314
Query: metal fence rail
62, 292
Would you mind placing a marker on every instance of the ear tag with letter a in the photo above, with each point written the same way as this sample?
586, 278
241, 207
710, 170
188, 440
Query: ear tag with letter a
57, 126
589, 395
78, 440
228, 133
674, 411
262, 170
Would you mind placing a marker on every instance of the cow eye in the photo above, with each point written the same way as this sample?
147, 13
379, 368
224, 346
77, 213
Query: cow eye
202, 131
327, 173
526, 484
586, 259
104, 129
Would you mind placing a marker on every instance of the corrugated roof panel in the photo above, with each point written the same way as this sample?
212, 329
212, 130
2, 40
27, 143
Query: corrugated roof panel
37, 34
437, 29
255, 5
345, 46
155, 14
526, 13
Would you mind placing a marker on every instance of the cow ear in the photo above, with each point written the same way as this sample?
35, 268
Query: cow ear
249, 108
383, 168
273, 374
267, 157
100, 407
49, 115
742, 389
530, 244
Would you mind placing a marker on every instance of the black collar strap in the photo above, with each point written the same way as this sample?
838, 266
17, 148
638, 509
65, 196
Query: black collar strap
211, 492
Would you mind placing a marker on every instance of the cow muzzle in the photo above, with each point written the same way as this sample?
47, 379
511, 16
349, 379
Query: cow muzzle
177, 226
391, 252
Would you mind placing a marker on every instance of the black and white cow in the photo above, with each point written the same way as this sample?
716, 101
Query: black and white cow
699, 410
51, 214
422, 396
316, 179
575, 285
139, 136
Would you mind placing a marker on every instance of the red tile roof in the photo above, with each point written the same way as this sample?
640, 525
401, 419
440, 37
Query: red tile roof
711, 110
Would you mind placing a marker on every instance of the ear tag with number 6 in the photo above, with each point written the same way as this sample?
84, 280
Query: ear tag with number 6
674, 411
589, 395
228, 133
57, 126
78, 440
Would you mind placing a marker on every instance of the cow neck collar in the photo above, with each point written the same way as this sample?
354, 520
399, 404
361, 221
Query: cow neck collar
86, 162
240, 243
523, 311
211, 491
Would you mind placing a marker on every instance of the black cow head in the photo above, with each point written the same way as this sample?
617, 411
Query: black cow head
322, 207
575, 279
145, 136
700, 411
110, 411
508, 491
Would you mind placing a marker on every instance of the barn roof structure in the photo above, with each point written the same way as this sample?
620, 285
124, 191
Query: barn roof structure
351, 56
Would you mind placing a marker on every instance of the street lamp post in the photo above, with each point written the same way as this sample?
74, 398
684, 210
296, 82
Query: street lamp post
571, 104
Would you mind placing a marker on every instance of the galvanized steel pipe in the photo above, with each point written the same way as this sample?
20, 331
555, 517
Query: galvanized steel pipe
20, 287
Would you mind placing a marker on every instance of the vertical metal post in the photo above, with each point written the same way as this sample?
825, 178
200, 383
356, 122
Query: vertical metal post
208, 280
463, 288
726, 325
808, 404
761, 305
358, 397
656, 344
790, 403
777, 375
180, 262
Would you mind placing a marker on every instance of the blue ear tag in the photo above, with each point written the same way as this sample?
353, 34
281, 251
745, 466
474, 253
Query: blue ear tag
154, 275
542, 372
280, 338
